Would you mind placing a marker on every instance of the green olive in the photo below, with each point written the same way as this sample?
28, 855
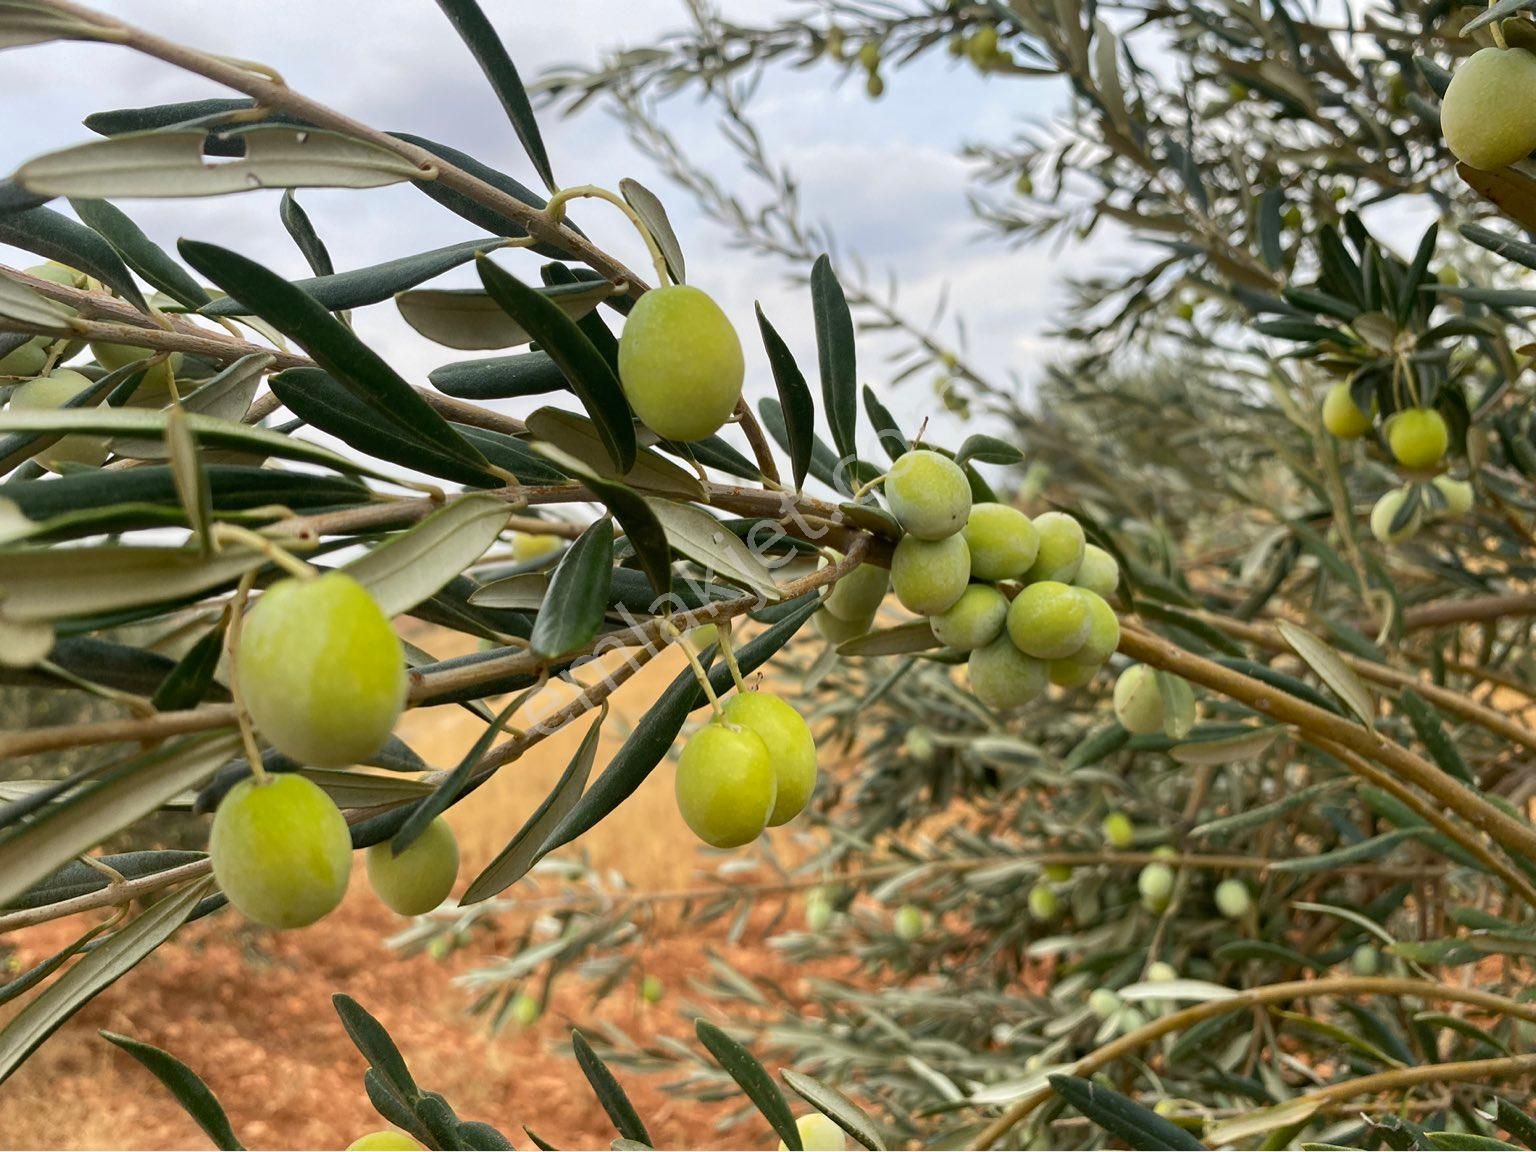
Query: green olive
1342, 416
155, 387
930, 575
1458, 494
321, 670
1386, 512
1071, 673
910, 922
1232, 899
726, 786
1103, 631
1057, 873
869, 55
982, 46
526, 1010
837, 630
818, 1134
1119, 832
874, 86
818, 910
387, 1140
1044, 906
27, 360
652, 989
1104, 1002
1002, 677
790, 744
54, 391
1139, 700
1487, 114
1062, 545
1418, 437
928, 494
1098, 573
681, 363
281, 850
528, 546
1365, 960
1050, 620
1155, 883
421, 877
1160, 972
973, 621
858, 595
1002, 540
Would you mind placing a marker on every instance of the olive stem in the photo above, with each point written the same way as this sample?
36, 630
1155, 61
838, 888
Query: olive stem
723, 631
1498, 32
555, 210
287, 561
232, 646
699, 674
863, 489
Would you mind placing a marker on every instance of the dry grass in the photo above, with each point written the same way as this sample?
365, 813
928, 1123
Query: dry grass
250, 1010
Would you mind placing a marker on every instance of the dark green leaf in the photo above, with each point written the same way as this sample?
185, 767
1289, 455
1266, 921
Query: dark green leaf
141, 253
339, 291
482, 1137
1121, 1116
499, 377
610, 1093
513, 862
55, 236
653, 215
1430, 729
988, 450
642, 529
451, 787
592, 377
1514, 1121
577, 600
184, 1084
824, 462
489, 52
836, 351
1497, 11
752, 1078
330, 343
79, 879
892, 439
188, 682
370, 1038
798, 410
303, 233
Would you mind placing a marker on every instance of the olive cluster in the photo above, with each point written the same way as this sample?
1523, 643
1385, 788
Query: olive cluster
953, 564
1418, 439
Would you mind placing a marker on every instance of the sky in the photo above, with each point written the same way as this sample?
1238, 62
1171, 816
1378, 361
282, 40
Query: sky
886, 175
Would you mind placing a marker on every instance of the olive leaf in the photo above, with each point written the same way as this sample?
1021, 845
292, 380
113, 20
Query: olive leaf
188, 1088
413, 566
1332, 670
577, 599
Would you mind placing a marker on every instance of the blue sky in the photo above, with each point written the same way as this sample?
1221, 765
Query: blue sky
885, 175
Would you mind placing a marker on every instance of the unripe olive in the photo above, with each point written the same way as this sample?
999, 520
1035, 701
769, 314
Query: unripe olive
54, 391
874, 86
910, 922
155, 387
928, 493
1062, 545
281, 850
680, 362
1104, 1002
973, 621
818, 1134
1058, 873
1099, 572
387, 1140
1386, 512
652, 989
1044, 905
703, 636
1002, 677
1139, 700
1119, 832
1131, 1018
421, 877
27, 360
982, 46
869, 55
726, 785
1024, 185
918, 744
930, 575
790, 744
1103, 631
321, 670
1160, 972
1155, 883
837, 630
1050, 620
1070, 673
1487, 115
1365, 961
1002, 540
818, 910
956, 45
1418, 437
1232, 899
527, 546
1457, 493
835, 42
858, 595
1292, 217
1342, 416
526, 1010
1185, 311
